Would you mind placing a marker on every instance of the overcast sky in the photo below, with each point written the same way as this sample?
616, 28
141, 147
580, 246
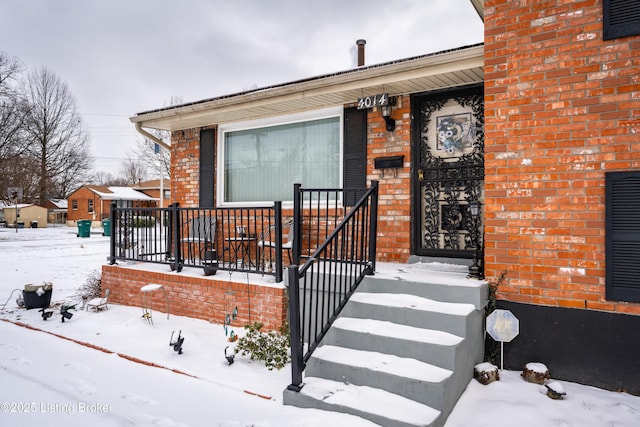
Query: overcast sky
122, 57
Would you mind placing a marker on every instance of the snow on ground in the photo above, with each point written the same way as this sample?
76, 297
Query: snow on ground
49, 379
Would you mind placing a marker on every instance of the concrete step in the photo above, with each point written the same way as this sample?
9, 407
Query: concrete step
430, 346
433, 280
376, 405
412, 310
407, 377
402, 350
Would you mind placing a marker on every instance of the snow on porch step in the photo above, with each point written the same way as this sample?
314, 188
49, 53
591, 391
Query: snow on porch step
377, 405
411, 310
410, 378
427, 345
414, 302
442, 282
387, 363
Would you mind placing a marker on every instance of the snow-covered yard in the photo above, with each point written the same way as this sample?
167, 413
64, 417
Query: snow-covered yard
47, 377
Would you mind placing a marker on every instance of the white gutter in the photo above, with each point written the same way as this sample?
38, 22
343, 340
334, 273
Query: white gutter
162, 144
151, 137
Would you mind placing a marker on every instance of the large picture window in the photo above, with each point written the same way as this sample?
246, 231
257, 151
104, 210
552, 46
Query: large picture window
261, 163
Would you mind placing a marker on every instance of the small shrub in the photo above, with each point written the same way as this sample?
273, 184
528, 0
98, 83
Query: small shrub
143, 221
92, 286
272, 347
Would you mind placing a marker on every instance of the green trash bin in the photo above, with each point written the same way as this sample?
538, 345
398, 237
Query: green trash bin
84, 228
106, 227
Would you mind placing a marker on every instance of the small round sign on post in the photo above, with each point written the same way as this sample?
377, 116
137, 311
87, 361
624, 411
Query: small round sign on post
503, 326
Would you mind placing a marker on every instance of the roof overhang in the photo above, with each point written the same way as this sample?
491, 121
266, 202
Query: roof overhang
479, 6
448, 69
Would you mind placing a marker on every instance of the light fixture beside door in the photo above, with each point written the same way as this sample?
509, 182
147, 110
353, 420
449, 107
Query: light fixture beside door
386, 114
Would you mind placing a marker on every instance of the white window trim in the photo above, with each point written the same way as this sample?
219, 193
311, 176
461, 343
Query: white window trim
271, 121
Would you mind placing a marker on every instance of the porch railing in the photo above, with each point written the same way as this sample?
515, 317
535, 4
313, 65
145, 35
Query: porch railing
209, 238
319, 289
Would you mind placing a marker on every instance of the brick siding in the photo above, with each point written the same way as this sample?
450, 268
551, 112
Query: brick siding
185, 170
562, 107
394, 203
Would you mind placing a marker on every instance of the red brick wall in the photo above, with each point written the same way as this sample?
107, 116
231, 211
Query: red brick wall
185, 167
82, 196
562, 106
394, 203
204, 297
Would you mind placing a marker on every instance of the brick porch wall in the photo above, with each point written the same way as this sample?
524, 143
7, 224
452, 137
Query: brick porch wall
562, 106
203, 297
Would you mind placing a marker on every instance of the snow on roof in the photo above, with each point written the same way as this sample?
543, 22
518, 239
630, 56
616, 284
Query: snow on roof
119, 193
20, 205
59, 203
153, 184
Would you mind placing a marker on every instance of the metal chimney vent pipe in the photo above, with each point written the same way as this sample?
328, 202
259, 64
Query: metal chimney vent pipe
361, 44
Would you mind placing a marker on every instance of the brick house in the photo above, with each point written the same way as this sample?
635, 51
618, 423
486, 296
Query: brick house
94, 202
539, 124
153, 189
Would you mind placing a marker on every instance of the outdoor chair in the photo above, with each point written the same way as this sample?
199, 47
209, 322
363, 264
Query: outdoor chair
266, 242
200, 237
98, 303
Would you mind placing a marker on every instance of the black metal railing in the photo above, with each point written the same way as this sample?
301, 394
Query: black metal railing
322, 286
239, 239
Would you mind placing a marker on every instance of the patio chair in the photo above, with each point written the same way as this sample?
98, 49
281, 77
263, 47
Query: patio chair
200, 236
266, 241
99, 303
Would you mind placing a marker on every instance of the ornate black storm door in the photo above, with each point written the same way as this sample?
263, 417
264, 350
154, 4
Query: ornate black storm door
448, 173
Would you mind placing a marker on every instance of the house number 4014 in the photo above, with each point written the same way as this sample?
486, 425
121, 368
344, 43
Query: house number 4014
373, 101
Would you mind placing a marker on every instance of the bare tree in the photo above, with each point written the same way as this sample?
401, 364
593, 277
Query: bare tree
71, 176
157, 159
104, 178
133, 171
154, 157
21, 172
10, 69
13, 114
56, 134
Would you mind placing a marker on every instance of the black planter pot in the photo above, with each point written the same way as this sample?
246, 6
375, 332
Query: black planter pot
210, 262
37, 296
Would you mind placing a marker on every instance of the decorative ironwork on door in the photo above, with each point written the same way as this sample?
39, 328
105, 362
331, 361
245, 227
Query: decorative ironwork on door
449, 173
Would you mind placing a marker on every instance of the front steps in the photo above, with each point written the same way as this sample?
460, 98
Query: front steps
403, 349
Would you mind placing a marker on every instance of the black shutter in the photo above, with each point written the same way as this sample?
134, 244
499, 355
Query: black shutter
355, 153
207, 167
621, 18
623, 236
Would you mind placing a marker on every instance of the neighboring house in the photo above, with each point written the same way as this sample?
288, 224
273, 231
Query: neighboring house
94, 201
57, 209
153, 189
28, 215
539, 124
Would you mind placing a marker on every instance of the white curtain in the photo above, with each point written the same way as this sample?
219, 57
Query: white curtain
262, 164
